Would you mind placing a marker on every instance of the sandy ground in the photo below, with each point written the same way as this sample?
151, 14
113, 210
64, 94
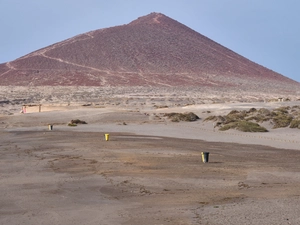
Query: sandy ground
149, 172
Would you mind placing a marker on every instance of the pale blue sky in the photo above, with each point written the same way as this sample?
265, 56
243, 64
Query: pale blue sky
264, 31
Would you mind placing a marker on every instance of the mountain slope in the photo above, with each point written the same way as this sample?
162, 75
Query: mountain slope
153, 50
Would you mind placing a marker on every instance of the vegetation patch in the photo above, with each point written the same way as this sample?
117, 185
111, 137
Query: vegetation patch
77, 121
234, 116
259, 118
282, 120
295, 123
283, 110
296, 107
244, 126
177, 117
74, 123
264, 112
250, 121
252, 110
215, 119
160, 106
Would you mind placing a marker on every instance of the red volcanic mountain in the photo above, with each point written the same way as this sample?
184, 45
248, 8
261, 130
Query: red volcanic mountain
153, 50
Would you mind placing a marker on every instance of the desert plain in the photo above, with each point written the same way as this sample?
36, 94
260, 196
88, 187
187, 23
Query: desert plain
150, 171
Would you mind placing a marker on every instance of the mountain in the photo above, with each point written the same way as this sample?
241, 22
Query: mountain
153, 50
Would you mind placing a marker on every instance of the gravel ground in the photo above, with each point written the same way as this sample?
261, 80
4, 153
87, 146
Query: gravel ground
149, 172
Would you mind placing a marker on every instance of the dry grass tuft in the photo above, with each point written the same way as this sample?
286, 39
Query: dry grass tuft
295, 123
74, 123
177, 117
244, 126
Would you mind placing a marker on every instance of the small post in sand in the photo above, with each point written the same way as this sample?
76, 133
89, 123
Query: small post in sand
106, 137
205, 156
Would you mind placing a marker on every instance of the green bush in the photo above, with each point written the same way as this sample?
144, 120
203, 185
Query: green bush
244, 126
229, 126
247, 126
259, 118
282, 120
176, 117
233, 118
295, 123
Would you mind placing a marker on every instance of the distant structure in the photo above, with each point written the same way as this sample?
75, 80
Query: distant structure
280, 99
25, 108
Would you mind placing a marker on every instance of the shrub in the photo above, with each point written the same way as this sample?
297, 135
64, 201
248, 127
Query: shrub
259, 118
244, 126
176, 117
295, 112
233, 118
282, 110
234, 112
74, 123
77, 121
252, 110
232, 125
264, 111
282, 120
247, 126
215, 118
295, 123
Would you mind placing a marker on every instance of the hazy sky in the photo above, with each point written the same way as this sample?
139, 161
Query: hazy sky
264, 31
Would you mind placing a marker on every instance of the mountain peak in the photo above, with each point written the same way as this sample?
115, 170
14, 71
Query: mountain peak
152, 18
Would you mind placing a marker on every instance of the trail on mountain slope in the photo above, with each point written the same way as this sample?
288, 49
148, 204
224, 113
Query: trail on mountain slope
10, 69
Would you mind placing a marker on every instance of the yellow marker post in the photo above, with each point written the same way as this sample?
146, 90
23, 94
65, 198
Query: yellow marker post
106, 137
